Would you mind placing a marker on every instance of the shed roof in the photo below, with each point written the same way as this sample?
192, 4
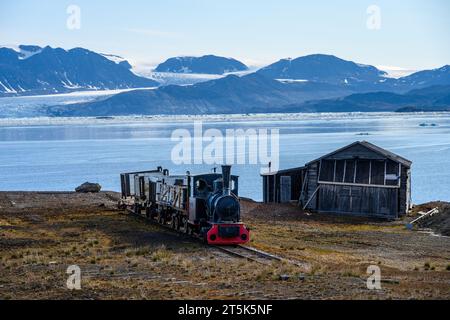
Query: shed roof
273, 173
388, 154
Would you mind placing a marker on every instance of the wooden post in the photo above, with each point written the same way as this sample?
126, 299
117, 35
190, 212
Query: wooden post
320, 170
334, 173
345, 171
302, 192
307, 203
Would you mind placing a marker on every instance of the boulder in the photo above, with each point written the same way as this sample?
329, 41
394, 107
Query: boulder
88, 187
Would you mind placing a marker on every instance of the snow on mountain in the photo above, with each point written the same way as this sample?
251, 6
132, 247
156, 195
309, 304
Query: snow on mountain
23, 51
325, 69
182, 79
32, 70
197, 85
208, 64
396, 72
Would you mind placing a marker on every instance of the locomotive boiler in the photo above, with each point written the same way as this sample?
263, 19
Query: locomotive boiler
204, 205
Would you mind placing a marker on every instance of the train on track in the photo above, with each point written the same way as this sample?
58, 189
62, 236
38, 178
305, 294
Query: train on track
202, 205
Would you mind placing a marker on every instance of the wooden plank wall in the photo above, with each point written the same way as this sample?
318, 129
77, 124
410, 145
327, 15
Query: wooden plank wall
313, 176
361, 201
404, 192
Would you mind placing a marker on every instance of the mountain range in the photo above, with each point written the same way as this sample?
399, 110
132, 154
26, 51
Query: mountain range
231, 94
314, 83
434, 98
326, 69
31, 70
209, 64
255, 93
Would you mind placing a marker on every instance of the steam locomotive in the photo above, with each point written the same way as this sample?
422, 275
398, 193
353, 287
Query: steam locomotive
204, 205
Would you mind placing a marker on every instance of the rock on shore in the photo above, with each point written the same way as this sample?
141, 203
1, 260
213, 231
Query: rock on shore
88, 187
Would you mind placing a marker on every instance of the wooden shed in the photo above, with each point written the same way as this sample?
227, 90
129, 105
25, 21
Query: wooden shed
359, 179
283, 186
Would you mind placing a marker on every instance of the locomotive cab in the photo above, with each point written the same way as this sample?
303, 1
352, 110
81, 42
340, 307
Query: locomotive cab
215, 208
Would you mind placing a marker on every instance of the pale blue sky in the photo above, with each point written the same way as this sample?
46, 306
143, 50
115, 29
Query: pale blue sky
414, 34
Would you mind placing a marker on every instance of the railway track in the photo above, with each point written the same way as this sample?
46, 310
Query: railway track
250, 254
239, 251
259, 256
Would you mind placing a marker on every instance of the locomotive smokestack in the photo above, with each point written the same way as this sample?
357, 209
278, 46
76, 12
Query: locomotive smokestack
226, 177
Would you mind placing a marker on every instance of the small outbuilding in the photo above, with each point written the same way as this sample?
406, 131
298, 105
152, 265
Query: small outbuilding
283, 186
359, 179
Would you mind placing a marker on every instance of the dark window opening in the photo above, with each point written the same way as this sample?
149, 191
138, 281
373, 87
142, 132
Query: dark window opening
392, 173
339, 175
392, 167
377, 172
362, 171
327, 170
349, 171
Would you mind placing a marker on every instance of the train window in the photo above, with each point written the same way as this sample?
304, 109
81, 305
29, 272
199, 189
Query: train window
142, 187
201, 185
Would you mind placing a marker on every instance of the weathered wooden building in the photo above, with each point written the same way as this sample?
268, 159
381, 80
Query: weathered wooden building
359, 179
282, 186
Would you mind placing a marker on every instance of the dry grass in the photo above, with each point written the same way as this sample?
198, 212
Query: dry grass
123, 258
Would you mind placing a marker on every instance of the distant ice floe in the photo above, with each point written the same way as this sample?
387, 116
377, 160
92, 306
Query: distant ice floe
230, 118
292, 80
424, 124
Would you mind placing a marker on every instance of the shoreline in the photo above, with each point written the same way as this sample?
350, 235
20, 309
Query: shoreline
211, 118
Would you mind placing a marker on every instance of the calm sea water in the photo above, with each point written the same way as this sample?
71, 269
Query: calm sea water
35, 155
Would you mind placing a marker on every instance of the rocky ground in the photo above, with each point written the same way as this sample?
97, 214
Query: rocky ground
122, 257
438, 223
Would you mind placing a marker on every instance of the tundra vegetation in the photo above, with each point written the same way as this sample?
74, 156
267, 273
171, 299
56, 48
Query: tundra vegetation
123, 257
